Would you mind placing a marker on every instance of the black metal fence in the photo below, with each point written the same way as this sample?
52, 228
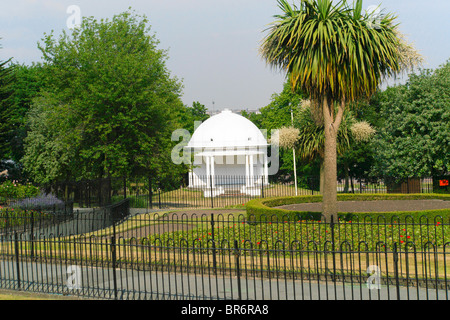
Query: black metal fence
209, 256
218, 191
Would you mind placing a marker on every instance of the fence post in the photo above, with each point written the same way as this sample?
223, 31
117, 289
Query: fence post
238, 273
395, 258
124, 187
32, 234
16, 248
114, 266
333, 248
211, 191
262, 186
150, 192
213, 245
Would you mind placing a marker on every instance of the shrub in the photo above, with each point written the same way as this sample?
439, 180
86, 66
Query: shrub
12, 190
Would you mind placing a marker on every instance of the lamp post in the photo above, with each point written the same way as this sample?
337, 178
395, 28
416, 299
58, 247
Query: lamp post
293, 154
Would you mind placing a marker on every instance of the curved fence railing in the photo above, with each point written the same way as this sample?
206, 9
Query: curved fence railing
218, 256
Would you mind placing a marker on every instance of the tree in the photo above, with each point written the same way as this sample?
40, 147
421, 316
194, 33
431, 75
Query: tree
50, 151
6, 110
190, 115
26, 86
334, 54
116, 102
414, 140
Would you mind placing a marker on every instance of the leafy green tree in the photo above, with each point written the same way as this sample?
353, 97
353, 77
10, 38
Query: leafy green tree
278, 113
26, 86
188, 116
109, 103
332, 53
255, 117
20, 85
414, 139
6, 110
51, 152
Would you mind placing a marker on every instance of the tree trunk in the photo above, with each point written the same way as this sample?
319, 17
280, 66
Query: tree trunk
331, 125
347, 177
322, 176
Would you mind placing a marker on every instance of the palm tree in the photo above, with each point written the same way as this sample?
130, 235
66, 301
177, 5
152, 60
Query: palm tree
334, 54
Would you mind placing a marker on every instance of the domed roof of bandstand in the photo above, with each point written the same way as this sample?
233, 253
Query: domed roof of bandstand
227, 130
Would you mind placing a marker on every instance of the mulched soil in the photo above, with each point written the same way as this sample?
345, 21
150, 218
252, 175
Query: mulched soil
374, 206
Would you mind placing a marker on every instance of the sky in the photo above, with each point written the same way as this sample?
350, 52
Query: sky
212, 44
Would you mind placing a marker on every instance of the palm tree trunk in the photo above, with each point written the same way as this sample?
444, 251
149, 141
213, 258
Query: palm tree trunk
331, 123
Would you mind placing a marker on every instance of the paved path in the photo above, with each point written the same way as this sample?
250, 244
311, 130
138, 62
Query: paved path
131, 285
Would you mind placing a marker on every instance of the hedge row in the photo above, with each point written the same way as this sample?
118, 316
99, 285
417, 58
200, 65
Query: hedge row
264, 209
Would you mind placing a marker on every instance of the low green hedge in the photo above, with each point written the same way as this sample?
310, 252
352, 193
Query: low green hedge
263, 209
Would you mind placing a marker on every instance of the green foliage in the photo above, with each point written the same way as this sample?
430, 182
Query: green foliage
278, 113
109, 104
25, 87
7, 116
414, 139
190, 115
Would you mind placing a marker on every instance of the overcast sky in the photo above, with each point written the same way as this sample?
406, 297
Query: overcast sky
213, 44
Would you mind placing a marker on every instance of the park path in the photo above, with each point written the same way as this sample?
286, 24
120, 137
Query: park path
99, 282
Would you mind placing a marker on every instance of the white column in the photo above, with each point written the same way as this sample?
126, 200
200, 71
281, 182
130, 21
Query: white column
252, 178
213, 173
266, 169
247, 171
208, 173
